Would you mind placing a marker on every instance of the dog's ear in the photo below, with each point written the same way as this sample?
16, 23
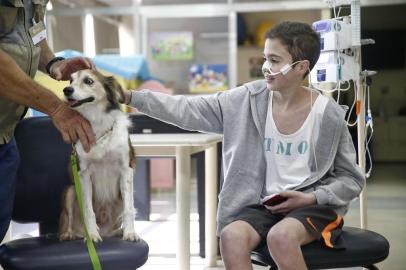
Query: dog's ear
114, 88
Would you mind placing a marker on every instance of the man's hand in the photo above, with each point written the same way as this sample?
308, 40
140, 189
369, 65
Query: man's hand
62, 70
73, 126
295, 199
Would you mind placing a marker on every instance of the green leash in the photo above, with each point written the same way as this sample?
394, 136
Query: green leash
89, 243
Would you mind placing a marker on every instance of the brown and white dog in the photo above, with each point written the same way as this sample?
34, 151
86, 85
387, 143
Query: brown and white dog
106, 171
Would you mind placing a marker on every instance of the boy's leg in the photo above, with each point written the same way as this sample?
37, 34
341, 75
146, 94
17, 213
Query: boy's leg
237, 240
240, 237
284, 241
301, 226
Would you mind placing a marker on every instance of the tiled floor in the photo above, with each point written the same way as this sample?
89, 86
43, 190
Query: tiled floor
386, 191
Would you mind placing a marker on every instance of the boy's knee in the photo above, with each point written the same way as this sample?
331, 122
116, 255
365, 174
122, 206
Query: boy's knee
234, 233
229, 234
281, 238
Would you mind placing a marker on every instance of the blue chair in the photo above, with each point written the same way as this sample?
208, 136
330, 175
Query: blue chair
42, 177
364, 248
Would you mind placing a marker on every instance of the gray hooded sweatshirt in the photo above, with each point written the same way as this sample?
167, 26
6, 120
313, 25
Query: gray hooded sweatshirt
240, 115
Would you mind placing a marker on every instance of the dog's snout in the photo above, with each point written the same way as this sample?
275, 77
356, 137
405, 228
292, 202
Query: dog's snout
68, 91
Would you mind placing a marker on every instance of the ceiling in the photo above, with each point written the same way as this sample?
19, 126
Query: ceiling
100, 3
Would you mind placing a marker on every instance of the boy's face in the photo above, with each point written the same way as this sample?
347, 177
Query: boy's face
277, 54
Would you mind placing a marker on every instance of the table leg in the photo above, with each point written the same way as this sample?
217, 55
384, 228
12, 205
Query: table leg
211, 205
183, 207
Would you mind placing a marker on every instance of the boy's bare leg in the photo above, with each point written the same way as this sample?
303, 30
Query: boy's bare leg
284, 240
237, 240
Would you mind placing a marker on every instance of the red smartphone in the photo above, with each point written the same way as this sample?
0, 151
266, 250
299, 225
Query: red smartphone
274, 200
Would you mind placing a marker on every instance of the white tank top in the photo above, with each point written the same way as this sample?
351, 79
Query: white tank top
288, 157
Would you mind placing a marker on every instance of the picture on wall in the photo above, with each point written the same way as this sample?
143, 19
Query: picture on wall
166, 46
208, 78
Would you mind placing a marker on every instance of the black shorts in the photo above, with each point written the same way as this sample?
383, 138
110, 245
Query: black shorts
319, 220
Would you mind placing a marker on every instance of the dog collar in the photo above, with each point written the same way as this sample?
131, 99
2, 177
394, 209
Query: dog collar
98, 139
105, 133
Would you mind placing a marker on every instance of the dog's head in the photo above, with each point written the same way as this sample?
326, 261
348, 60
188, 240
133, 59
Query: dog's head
90, 87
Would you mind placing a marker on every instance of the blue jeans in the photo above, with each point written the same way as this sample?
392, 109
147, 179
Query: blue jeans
9, 160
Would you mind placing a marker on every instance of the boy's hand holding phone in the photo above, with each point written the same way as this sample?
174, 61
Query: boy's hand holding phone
286, 201
273, 200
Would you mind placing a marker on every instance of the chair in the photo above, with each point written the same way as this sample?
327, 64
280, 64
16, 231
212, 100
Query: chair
42, 176
363, 249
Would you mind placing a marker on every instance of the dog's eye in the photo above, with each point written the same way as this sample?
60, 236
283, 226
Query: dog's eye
88, 81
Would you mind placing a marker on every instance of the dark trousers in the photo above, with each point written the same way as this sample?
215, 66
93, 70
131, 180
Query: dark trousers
9, 160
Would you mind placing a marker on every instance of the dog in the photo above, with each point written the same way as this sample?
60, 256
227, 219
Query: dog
106, 171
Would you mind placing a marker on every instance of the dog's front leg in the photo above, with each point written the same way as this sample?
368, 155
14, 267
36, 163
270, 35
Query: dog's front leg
89, 216
66, 230
126, 188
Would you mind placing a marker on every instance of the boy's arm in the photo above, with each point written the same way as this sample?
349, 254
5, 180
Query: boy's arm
201, 113
346, 181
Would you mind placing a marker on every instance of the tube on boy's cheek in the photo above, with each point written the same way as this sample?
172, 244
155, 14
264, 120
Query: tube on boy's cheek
267, 71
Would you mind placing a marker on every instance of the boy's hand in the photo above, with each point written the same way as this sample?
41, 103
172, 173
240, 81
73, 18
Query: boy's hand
127, 97
295, 199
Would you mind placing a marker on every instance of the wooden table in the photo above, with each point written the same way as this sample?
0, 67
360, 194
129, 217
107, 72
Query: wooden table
182, 146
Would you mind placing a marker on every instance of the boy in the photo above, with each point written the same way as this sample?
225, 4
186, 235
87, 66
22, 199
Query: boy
280, 138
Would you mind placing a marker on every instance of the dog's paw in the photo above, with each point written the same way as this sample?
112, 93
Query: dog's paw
131, 236
69, 235
95, 237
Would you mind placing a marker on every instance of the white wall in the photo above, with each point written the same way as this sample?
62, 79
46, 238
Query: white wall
67, 33
106, 35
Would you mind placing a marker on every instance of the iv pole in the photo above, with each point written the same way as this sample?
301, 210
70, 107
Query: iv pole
359, 82
360, 106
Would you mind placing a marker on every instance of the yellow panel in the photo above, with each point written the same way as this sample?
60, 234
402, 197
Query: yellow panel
51, 84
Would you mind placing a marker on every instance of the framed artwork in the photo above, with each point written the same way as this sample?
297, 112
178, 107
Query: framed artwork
167, 46
208, 78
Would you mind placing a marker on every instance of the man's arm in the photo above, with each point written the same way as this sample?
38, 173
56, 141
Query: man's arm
16, 86
45, 56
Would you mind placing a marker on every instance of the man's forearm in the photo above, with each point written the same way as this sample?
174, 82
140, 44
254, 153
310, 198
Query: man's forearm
15, 85
45, 56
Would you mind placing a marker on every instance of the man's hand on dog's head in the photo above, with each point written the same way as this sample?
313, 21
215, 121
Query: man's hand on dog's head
73, 126
62, 70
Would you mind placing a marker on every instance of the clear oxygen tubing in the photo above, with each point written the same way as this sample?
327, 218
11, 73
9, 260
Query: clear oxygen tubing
267, 68
369, 125
352, 108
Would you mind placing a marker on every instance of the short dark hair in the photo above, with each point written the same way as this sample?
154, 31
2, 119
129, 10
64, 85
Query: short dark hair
301, 41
